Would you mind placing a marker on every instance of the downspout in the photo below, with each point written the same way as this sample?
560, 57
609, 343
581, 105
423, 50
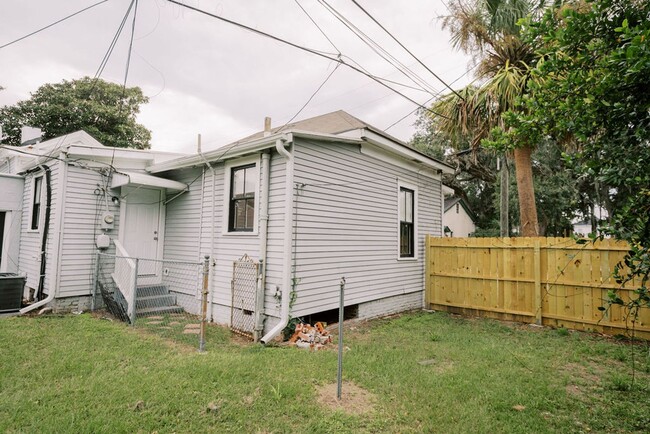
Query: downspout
287, 254
46, 224
264, 230
213, 175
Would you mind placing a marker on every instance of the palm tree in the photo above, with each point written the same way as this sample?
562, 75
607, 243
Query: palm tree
489, 31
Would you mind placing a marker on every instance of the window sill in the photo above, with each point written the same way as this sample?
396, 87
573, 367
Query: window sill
407, 259
240, 234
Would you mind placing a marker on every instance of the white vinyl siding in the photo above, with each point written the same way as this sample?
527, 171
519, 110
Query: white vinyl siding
31, 240
226, 248
347, 226
183, 219
81, 225
183, 234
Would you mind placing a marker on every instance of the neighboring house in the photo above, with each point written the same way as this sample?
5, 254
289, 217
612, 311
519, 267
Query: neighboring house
458, 219
314, 201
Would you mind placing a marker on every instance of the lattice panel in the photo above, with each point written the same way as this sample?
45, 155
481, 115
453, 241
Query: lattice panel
245, 272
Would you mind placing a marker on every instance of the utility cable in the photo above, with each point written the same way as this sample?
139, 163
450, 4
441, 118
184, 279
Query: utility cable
109, 52
429, 100
308, 50
50, 25
310, 98
126, 68
406, 49
379, 50
318, 27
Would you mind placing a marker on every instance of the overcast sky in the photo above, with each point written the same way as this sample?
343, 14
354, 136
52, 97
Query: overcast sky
209, 77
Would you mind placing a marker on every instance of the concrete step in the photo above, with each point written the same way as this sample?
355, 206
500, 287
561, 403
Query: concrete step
155, 301
151, 290
158, 310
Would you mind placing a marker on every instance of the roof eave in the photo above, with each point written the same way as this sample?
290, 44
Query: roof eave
244, 148
401, 149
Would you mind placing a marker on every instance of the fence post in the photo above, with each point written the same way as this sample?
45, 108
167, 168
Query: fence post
204, 302
339, 376
134, 286
537, 264
95, 279
259, 303
427, 271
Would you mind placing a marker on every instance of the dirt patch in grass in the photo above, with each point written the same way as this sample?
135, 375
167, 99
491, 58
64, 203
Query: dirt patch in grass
354, 399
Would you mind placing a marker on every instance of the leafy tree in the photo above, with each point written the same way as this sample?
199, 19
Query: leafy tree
590, 91
104, 110
489, 30
559, 188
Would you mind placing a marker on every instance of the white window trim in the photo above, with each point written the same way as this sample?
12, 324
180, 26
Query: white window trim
41, 215
403, 184
4, 249
227, 173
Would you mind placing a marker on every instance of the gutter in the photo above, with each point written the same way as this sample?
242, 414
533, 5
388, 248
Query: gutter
212, 224
280, 144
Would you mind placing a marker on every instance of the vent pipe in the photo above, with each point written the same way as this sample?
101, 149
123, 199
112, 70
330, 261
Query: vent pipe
267, 126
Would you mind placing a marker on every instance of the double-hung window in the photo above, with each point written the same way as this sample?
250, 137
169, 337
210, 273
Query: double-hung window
406, 223
36, 202
243, 180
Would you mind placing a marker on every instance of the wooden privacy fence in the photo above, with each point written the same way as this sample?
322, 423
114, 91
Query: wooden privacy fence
550, 281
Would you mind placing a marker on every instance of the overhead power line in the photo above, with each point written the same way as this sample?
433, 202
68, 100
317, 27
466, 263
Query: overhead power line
379, 50
406, 49
53, 24
306, 49
428, 101
311, 97
318, 27
116, 37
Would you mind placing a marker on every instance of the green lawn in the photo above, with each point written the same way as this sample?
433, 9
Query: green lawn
427, 372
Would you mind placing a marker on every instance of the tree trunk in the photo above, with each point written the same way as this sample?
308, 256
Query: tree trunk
504, 219
526, 193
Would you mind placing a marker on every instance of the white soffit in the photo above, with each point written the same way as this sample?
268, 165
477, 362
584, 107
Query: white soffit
122, 178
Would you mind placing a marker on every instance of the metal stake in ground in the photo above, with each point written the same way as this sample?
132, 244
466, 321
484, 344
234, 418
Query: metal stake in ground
204, 302
339, 378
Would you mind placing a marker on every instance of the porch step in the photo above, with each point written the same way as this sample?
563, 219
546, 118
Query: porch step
159, 310
151, 290
154, 301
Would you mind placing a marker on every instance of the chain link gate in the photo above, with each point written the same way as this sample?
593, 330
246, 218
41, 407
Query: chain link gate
245, 275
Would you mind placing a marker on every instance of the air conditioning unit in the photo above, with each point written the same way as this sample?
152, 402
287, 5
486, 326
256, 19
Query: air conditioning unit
12, 286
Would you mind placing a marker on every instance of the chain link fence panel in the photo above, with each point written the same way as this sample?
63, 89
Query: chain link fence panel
163, 297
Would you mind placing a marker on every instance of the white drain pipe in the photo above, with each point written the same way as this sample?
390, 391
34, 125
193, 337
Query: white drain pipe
287, 254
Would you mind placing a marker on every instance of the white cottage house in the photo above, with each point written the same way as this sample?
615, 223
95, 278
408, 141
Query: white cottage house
314, 201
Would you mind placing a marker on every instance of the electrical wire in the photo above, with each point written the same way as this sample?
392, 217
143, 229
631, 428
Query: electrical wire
378, 49
310, 98
126, 69
318, 27
305, 49
109, 52
53, 24
406, 49
429, 100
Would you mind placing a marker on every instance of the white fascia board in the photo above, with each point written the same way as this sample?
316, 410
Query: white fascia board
399, 149
123, 178
244, 148
378, 153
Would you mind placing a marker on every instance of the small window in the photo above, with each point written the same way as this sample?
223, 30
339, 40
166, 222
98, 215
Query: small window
36, 202
406, 223
242, 198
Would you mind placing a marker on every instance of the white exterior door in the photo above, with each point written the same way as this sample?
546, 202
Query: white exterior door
140, 231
